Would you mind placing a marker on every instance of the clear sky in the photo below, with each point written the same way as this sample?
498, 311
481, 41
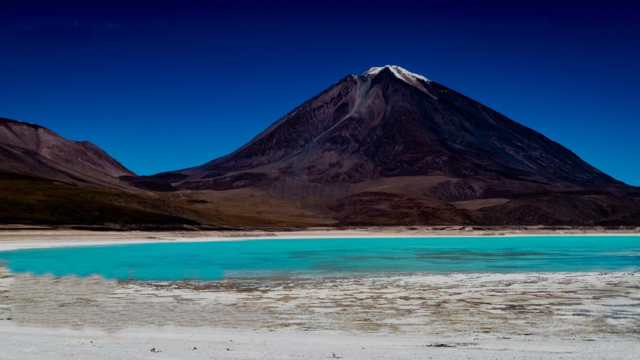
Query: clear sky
164, 85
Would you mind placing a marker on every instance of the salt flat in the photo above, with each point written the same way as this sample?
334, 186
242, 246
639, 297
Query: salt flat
562, 315
212, 343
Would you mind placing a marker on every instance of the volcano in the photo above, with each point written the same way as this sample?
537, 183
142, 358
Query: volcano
389, 122
390, 146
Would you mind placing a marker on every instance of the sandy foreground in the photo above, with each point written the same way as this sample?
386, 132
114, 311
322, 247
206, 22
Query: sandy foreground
454, 316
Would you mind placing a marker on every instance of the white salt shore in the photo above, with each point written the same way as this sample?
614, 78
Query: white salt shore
208, 343
15, 238
449, 316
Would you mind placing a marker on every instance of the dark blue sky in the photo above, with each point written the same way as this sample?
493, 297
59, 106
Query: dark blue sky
163, 85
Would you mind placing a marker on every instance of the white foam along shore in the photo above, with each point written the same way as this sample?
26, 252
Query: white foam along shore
475, 316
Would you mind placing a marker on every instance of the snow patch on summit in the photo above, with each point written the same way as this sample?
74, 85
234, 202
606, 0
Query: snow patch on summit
404, 75
399, 72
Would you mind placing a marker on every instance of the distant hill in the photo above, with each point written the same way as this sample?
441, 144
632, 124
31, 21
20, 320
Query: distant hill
32, 200
33, 150
47, 179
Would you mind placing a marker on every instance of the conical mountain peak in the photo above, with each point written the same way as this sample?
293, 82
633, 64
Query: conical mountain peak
374, 126
390, 147
397, 71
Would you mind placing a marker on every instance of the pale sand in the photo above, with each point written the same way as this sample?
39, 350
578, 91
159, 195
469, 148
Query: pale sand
457, 316
205, 343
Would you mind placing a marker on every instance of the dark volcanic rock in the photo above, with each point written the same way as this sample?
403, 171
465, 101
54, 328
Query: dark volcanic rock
198, 201
214, 174
149, 183
569, 209
451, 190
235, 181
375, 208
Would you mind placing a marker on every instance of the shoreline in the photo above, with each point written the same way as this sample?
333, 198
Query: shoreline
16, 239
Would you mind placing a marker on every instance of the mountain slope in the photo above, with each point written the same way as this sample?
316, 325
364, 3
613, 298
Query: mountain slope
33, 150
33, 200
388, 123
359, 143
47, 179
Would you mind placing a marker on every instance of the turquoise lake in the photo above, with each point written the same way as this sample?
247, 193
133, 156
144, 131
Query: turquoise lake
270, 259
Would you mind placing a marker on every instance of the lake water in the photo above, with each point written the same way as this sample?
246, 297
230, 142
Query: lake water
333, 257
